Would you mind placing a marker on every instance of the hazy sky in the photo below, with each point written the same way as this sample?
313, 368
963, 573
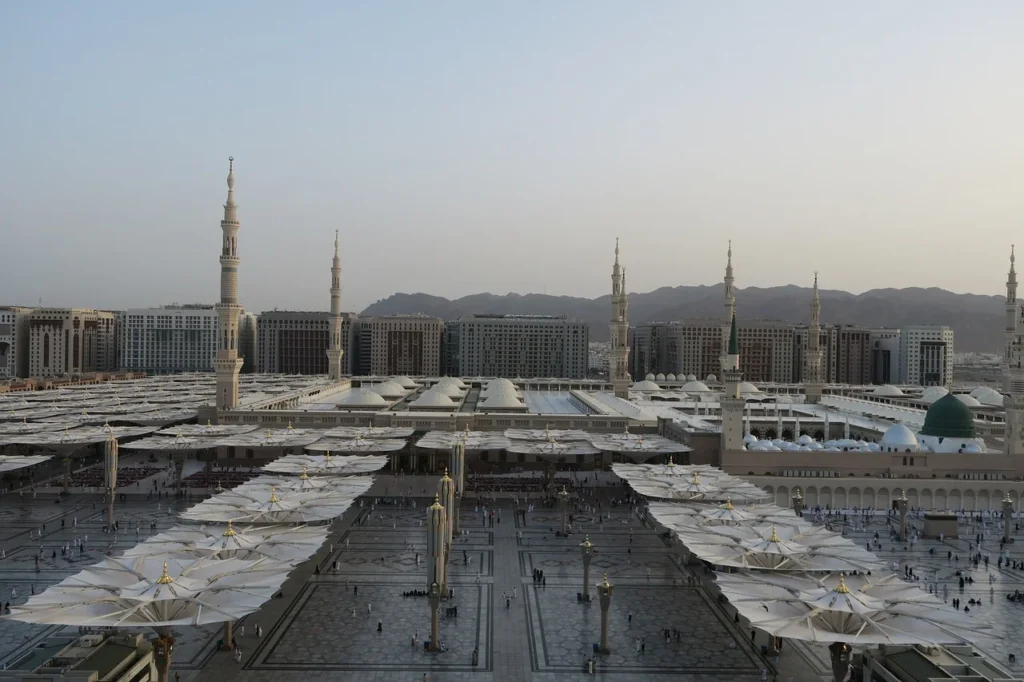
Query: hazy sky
476, 146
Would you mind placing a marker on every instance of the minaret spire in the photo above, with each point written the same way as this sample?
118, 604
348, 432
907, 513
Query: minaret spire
227, 364
732, 402
730, 304
334, 351
618, 367
813, 361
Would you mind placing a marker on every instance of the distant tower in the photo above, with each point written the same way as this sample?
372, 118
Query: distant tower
730, 305
813, 377
619, 330
1013, 372
334, 351
227, 364
732, 403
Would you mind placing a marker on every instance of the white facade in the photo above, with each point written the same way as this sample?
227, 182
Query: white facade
68, 341
926, 356
522, 346
168, 340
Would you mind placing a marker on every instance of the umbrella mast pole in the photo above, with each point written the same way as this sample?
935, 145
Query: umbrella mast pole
163, 648
228, 635
840, 654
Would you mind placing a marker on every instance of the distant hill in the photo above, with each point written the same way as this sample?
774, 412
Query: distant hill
976, 320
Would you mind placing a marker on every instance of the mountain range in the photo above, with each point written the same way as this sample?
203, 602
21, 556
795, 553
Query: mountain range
977, 320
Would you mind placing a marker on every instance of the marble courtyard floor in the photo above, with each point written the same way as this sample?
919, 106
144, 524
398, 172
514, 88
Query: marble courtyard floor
321, 628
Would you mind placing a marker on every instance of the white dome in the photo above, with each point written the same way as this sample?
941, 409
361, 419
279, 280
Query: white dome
747, 387
973, 448
453, 381
988, 396
887, 391
434, 398
749, 439
646, 385
692, 377
969, 401
659, 377
695, 387
711, 378
933, 393
361, 397
450, 390
805, 440
900, 439
405, 382
500, 384
649, 377
500, 401
388, 389
670, 377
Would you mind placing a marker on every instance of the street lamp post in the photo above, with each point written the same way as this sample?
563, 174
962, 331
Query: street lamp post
587, 550
901, 505
604, 592
563, 500
798, 502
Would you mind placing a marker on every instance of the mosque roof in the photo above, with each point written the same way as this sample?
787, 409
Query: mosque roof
948, 417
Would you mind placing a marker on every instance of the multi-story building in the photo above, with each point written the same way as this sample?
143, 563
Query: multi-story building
695, 347
885, 356
168, 340
850, 363
400, 344
450, 349
65, 341
926, 355
520, 346
247, 326
295, 342
14, 341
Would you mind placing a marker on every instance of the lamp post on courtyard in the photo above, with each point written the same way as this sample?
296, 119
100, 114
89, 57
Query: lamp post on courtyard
435, 570
798, 502
563, 500
587, 550
901, 505
1007, 518
110, 474
604, 592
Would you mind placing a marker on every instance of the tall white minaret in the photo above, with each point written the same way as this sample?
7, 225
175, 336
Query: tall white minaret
1010, 332
730, 306
227, 364
813, 379
618, 367
334, 351
732, 403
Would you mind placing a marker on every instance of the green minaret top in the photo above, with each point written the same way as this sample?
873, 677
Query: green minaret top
734, 339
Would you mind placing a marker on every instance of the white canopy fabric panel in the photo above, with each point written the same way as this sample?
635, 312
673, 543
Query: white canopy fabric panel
266, 506
169, 444
382, 432
85, 435
563, 435
473, 440
678, 516
14, 462
218, 541
688, 483
552, 448
315, 465
356, 445
207, 430
272, 438
649, 444
153, 592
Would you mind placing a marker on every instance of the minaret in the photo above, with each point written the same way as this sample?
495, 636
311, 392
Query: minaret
227, 364
334, 351
813, 379
732, 402
730, 305
1012, 347
1013, 372
619, 330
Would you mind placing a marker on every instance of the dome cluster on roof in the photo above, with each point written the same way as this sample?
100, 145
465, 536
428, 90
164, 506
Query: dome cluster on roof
500, 394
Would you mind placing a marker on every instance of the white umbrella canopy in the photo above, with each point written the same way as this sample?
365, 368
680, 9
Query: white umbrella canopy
774, 548
284, 483
265, 505
85, 435
473, 440
546, 434
272, 438
385, 432
357, 445
279, 543
639, 445
552, 448
208, 430
847, 609
23, 427
12, 462
678, 516
156, 592
179, 442
326, 465
690, 484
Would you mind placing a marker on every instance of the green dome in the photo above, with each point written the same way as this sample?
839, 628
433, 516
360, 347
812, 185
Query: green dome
949, 418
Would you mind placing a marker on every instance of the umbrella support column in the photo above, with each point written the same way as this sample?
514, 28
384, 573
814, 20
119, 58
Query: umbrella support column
67, 474
163, 648
840, 655
228, 635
